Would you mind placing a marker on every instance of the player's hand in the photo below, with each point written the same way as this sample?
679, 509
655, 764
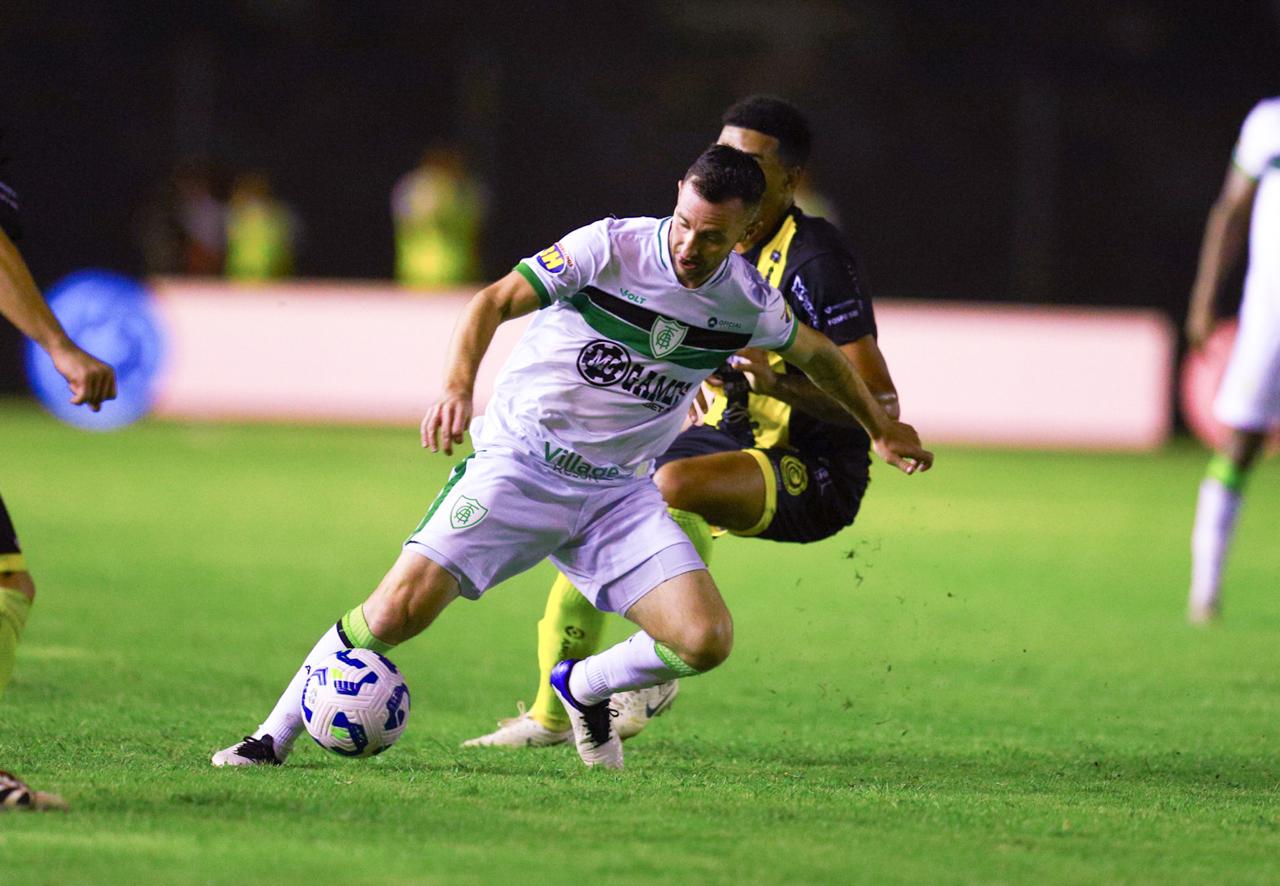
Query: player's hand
1198, 327
699, 408
91, 381
447, 419
754, 364
899, 446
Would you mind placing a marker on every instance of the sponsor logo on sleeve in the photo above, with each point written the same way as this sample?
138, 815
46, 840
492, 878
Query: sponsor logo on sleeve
554, 259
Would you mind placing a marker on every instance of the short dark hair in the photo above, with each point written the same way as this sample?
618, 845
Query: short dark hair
774, 117
722, 173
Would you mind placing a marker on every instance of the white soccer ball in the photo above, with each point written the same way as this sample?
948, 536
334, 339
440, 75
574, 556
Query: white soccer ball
355, 703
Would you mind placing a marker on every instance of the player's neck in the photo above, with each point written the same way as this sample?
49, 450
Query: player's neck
767, 227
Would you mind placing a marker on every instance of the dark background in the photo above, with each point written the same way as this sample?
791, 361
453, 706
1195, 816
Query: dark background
997, 151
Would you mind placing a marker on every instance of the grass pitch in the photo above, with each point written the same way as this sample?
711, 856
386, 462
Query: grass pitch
988, 678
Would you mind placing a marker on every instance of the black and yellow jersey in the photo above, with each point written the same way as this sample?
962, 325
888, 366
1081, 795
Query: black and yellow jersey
810, 261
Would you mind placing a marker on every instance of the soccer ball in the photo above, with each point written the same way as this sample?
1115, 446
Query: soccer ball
355, 703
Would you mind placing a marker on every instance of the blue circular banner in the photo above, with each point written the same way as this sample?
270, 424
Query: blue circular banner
110, 316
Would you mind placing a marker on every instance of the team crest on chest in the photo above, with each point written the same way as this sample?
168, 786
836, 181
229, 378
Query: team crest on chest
665, 336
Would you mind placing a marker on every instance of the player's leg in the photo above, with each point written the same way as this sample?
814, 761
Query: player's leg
407, 600
1217, 506
686, 630
719, 489
572, 628
17, 593
1249, 401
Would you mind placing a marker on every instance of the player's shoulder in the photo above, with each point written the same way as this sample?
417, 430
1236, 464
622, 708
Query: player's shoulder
742, 274
636, 228
1265, 115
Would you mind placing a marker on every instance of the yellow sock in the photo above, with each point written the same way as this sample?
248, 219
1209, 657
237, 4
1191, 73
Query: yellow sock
14, 608
698, 530
570, 628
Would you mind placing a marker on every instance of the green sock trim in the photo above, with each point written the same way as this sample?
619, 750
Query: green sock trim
698, 530
1224, 470
16, 607
357, 631
675, 662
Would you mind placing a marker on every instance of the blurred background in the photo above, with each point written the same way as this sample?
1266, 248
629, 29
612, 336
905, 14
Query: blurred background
995, 151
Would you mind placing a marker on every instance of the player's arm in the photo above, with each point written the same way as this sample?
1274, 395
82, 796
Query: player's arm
91, 381
512, 296
801, 393
897, 443
1225, 235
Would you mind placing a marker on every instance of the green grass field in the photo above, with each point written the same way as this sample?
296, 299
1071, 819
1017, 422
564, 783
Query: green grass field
987, 679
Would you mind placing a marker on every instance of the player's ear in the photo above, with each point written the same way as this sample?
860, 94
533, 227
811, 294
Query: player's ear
679, 185
791, 178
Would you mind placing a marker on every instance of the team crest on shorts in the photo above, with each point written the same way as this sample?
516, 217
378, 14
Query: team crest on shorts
795, 476
553, 259
665, 336
467, 512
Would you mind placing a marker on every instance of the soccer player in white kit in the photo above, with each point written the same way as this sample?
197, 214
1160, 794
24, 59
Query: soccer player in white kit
1248, 209
633, 315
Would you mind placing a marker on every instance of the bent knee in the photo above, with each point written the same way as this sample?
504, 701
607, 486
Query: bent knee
678, 484
707, 646
20, 582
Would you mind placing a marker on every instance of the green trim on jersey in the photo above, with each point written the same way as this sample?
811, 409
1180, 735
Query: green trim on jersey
637, 339
791, 339
525, 271
662, 243
454, 476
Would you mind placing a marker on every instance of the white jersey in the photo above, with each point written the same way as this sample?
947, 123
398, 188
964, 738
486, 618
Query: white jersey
1249, 397
599, 384
1257, 154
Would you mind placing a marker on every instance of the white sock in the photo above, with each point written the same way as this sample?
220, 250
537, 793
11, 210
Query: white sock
285, 720
632, 664
1216, 512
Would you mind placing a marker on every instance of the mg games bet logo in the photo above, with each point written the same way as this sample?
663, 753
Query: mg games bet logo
665, 336
603, 363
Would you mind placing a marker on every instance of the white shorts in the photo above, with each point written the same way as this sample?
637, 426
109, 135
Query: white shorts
1249, 398
500, 514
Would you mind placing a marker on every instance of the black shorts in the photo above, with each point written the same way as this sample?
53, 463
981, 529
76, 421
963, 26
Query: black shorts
10, 554
806, 497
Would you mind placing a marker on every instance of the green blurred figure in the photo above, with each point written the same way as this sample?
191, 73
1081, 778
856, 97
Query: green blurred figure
438, 210
261, 231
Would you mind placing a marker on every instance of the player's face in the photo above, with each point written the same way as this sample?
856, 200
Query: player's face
779, 179
702, 233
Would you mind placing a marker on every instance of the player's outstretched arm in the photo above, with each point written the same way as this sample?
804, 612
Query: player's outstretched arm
799, 392
1225, 234
448, 417
91, 381
895, 442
